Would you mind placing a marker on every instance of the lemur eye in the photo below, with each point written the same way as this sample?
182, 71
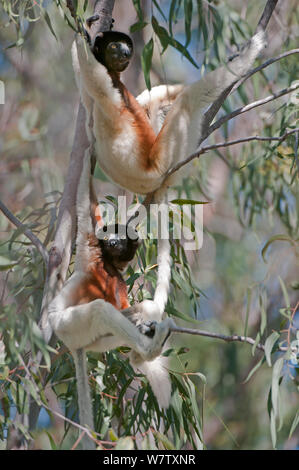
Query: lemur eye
113, 46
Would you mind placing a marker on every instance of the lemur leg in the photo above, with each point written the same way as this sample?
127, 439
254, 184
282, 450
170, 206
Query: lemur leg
181, 131
79, 326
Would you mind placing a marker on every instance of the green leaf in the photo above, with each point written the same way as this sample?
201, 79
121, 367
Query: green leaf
48, 21
146, 61
176, 313
182, 202
167, 40
171, 16
188, 9
294, 424
285, 292
249, 293
159, 9
280, 237
164, 440
52, 441
138, 26
263, 315
254, 369
6, 263
177, 45
125, 443
269, 343
138, 9
277, 368
273, 429
161, 33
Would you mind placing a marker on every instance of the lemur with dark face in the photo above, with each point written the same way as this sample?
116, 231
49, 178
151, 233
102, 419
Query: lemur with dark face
136, 144
137, 140
130, 151
90, 312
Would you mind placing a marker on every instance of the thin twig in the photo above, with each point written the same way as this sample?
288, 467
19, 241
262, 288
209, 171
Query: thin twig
202, 150
56, 413
242, 339
251, 106
265, 64
228, 339
36, 242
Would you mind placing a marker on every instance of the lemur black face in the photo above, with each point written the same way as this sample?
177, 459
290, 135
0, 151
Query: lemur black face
117, 247
117, 56
114, 50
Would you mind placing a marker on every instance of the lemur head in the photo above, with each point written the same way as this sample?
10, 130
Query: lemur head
113, 49
118, 244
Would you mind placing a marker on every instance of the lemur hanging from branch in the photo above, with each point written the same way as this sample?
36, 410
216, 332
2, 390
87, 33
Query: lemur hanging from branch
136, 147
90, 312
135, 143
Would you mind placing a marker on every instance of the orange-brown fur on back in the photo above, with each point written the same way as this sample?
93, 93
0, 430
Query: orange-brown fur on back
144, 132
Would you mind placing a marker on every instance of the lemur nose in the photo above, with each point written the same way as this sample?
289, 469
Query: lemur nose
113, 243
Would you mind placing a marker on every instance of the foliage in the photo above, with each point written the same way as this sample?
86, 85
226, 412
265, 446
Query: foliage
244, 285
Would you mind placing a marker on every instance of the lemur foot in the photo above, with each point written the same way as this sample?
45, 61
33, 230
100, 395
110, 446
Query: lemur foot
162, 332
92, 19
147, 328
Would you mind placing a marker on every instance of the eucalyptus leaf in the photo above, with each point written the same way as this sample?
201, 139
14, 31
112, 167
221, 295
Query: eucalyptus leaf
277, 368
146, 61
269, 343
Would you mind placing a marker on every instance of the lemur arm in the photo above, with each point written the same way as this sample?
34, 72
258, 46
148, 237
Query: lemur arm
93, 76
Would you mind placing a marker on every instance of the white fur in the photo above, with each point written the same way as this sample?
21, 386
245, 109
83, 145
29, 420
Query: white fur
117, 147
158, 377
157, 103
97, 325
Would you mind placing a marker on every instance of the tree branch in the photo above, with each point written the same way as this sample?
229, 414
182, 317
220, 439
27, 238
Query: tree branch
266, 64
267, 13
61, 251
214, 108
202, 150
242, 339
36, 242
228, 339
250, 106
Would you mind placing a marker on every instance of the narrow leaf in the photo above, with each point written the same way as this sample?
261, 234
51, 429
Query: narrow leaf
188, 9
269, 343
181, 202
280, 237
146, 61
48, 21
294, 424
254, 369
277, 368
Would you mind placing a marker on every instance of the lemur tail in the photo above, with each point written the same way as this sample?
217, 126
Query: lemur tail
85, 410
84, 219
209, 88
158, 377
